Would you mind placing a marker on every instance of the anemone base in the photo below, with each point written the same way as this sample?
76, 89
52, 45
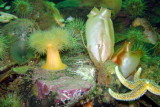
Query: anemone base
55, 68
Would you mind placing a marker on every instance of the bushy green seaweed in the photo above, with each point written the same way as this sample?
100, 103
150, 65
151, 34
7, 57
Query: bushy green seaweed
142, 47
131, 34
77, 30
3, 46
76, 26
134, 8
135, 34
11, 100
22, 7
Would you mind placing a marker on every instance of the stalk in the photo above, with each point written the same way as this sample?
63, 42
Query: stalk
53, 61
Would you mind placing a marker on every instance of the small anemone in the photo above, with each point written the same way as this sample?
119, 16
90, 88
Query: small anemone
22, 7
50, 42
77, 30
142, 47
135, 34
76, 26
134, 7
58, 37
3, 46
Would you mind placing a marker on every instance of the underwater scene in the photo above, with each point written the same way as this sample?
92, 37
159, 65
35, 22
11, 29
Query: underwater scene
79, 53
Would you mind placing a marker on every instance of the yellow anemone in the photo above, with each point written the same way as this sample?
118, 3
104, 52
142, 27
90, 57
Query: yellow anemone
50, 41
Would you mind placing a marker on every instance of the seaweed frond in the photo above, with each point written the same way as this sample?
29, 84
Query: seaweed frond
3, 46
134, 8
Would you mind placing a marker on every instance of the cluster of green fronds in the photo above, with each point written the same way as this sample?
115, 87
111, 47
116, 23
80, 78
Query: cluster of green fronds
134, 7
22, 7
151, 69
120, 36
20, 52
57, 37
76, 26
77, 30
142, 47
3, 46
11, 100
135, 34
131, 34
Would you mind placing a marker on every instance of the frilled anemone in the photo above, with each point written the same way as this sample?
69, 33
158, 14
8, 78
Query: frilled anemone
50, 42
22, 7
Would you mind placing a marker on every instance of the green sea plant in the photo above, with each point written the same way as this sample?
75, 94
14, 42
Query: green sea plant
130, 34
11, 100
143, 48
135, 35
22, 7
76, 27
3, 46
134, 7
50, 42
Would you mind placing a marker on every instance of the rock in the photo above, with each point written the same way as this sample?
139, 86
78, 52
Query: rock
64, 85
67, 88
18, 32
6, 17
20, 28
